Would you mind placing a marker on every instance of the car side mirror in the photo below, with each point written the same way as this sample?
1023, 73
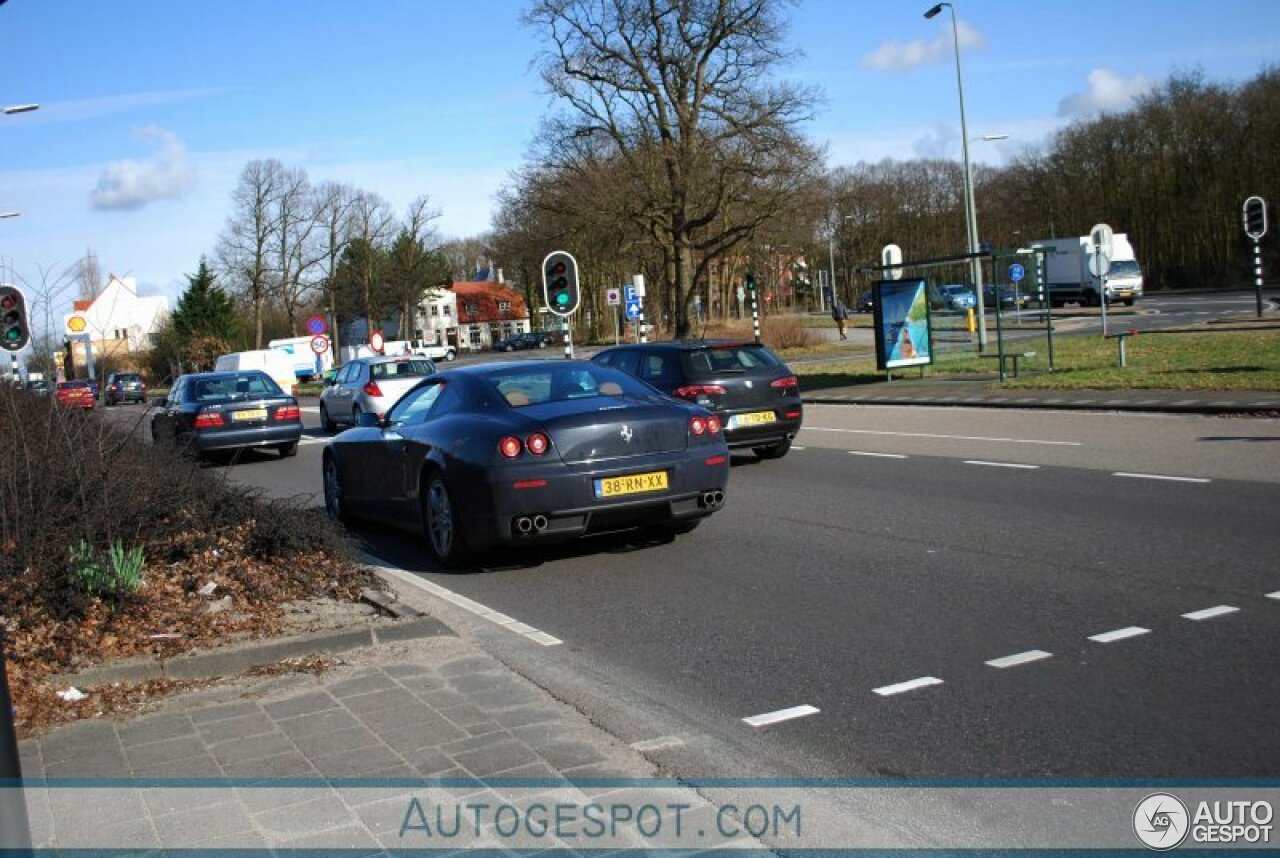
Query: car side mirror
365, 420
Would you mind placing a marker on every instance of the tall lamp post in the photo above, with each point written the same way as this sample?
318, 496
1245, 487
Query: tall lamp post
970, 215
831, 258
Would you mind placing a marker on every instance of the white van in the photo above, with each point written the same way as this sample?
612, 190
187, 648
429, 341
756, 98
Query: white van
274, 363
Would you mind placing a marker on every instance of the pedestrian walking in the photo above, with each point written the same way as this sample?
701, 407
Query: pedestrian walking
840, 313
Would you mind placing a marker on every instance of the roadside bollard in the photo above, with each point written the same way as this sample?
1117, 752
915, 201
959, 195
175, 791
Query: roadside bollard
1120, 338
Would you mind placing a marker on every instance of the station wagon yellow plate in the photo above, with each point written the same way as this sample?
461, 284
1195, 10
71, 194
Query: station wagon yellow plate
755, 418
631, 484
249, 414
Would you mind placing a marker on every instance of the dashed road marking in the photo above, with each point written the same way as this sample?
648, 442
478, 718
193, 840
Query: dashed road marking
658, 744
781, 715
484, 612
1210, 613
794, 447
945, 437
1275, 595
1119, 634
877, 455
1002, 465
909, 685
1019, 658
1165, 477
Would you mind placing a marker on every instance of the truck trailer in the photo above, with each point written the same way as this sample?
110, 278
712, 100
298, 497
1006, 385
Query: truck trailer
1070, 281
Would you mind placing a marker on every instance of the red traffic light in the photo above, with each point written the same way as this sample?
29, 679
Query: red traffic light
8, 302
558, 268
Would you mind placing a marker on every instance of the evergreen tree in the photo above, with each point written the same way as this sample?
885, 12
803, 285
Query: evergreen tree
205, 310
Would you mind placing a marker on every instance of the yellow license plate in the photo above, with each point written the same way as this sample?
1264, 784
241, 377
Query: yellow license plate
249, 414
755, 418
632, 484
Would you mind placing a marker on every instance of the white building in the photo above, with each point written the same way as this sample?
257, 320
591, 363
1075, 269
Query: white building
118, 321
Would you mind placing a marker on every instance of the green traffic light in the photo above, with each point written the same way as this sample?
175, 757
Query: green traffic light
12, 334
562, 299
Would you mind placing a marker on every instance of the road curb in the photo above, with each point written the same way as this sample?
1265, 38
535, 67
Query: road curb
1013, 400
237, 658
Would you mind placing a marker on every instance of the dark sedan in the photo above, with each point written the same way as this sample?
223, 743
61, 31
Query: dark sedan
210, 411
528, 451
515, 342
749, 387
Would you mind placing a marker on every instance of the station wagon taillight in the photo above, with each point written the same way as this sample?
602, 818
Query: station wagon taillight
288, 412
208, 420
693, 391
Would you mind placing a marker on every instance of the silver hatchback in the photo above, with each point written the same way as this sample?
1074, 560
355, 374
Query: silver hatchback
371, 386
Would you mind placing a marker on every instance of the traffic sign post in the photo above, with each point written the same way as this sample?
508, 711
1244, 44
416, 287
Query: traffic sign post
1100, 263
1255, 226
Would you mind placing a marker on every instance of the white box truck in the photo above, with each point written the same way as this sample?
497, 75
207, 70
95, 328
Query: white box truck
1067, 272
274, 363
304, 359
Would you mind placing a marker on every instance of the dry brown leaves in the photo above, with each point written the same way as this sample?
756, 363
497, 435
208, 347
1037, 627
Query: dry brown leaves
165, 618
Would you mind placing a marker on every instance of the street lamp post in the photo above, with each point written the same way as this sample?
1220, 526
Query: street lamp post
831, 257
971, 216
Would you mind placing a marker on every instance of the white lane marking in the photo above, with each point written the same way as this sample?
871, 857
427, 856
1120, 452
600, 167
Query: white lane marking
794, 447
1002, 465
1161, 477
1210, 613
1119, 634
948, 437
909, 685
877, 455
658, 744
310, 409
306, 442
497, 618
781, 715
1275, 595
1019, 658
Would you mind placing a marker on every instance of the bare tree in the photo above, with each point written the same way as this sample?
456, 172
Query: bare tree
89, 276
296, 256
245, 248
371, 224
679, 92
331, 205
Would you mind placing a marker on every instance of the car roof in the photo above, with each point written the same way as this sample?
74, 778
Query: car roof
201, 376
687, 345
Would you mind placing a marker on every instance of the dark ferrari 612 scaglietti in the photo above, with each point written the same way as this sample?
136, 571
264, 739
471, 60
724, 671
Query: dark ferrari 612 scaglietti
529, 451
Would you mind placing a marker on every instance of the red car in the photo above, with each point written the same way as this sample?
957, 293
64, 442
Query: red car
77, 394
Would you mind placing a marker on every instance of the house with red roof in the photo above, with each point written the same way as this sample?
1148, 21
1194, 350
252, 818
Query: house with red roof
486, 311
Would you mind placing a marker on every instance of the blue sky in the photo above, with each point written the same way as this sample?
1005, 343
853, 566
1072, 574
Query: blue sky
150, 108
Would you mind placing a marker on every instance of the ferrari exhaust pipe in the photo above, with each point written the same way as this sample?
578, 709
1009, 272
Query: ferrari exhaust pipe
717, 498
539, 523
711, 499
524, 524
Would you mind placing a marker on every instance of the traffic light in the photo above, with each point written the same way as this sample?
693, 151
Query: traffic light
15, 330
751, 281
1255, 217
560, 283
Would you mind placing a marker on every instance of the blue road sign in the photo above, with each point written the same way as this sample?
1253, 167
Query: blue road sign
631, 301
1016, 272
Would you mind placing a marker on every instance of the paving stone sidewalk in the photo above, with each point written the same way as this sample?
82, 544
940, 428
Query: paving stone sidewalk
437, 708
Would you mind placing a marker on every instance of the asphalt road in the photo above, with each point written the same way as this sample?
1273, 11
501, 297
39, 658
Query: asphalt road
896, 547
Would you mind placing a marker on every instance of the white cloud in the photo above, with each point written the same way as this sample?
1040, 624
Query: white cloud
133, 184
1107, 91
904, 56
942, 141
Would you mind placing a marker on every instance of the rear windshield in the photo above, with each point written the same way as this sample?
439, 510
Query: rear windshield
244, 385
402, 369
68, 385
534, 386
716, 360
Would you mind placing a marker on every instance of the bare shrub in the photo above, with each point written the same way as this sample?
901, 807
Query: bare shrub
785, 332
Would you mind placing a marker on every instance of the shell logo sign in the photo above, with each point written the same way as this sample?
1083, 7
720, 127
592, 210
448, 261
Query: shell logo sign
77, 324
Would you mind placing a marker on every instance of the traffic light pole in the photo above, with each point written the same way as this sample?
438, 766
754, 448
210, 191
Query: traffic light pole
1257, 273
568, 337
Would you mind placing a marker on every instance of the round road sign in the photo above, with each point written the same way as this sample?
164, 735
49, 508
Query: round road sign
319, 345
316, 326
1016, 272
377, 341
